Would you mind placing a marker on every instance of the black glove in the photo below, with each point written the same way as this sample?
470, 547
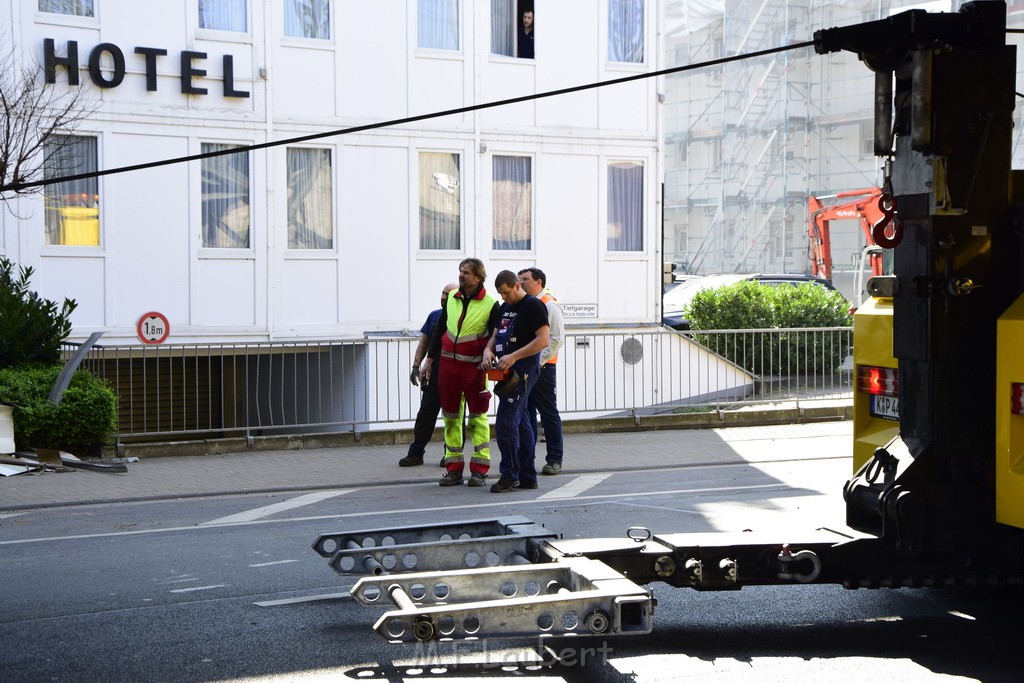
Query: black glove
414, 376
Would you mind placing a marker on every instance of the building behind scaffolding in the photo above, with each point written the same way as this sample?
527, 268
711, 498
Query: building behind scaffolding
748, 141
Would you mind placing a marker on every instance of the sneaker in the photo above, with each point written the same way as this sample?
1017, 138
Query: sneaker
476, 479
527, 484
552, 468
451, 479
411, 460
504, 484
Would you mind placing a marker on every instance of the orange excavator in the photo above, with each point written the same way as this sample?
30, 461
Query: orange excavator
865, 206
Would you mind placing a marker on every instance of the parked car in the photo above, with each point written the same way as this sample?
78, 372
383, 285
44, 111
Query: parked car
674, 301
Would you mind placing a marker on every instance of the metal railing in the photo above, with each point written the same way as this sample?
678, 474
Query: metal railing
359, 384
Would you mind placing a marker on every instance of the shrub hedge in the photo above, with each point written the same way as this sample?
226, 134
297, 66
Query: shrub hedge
83, 419
31, 327
749, 305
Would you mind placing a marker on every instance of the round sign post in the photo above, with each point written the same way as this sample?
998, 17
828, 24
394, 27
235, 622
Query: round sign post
153, 328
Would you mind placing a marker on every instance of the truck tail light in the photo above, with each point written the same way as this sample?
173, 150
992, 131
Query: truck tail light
1017, 398
883, 381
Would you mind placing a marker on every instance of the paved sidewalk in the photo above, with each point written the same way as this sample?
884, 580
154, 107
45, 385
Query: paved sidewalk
293, 470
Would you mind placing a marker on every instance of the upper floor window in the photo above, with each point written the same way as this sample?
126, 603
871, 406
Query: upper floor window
438, 24
625, 206
440, 190
626, 31
72, 206
512, 27
310, 202
307, 19
223, 15
79, 8
512, 203
225, 198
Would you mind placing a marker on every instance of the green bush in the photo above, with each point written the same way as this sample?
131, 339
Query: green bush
31, 327
749, 305
84, 418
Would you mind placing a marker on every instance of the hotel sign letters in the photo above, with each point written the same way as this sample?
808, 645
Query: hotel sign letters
190, 67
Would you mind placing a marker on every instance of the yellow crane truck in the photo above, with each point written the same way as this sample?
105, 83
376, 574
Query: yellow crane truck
937, 497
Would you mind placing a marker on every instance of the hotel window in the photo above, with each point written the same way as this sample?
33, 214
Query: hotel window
79, 8
512, 203
440, 196
225, 187
625, 206
438, 24
74, 7
307, 19
223, 15
310, 199
626, 31
72, 206
512, 28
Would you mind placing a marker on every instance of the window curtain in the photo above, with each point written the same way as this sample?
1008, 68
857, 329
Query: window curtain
440, 190
307, 19
72, 207
503, 27
438, 24
310, 204
223, 15
626, 30
81, 8
512, 203
625, 206
225, 183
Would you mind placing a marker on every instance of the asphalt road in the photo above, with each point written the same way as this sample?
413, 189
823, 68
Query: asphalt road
228, 588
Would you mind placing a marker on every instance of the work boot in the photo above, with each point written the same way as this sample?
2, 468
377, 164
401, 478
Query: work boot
411, 460
553, 467
476, 479
451, 479
504, 484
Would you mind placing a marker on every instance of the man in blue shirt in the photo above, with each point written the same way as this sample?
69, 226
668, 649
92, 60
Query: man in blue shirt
430, 405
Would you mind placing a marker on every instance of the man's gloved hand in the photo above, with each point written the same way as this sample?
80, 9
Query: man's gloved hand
414, 376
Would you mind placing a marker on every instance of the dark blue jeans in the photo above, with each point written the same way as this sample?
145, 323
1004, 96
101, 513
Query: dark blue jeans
516, 437
542, 400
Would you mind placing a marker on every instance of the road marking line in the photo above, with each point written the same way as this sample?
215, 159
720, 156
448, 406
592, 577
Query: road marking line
489, 505
267, 510
308, 598
197, 588
267, 564
575, 487
5, 515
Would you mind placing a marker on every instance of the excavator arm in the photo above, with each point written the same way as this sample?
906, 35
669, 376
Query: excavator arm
864, 208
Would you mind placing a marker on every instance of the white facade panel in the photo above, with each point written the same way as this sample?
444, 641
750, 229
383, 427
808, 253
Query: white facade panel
149, 241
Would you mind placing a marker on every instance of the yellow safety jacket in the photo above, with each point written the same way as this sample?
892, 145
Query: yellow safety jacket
465, 336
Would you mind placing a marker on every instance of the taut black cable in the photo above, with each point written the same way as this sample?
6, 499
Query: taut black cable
398, 122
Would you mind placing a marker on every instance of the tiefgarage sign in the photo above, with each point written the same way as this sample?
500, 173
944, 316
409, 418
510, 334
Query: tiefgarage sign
189, 67
153, 328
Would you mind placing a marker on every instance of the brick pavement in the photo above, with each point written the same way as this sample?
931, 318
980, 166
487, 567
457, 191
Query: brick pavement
285, 470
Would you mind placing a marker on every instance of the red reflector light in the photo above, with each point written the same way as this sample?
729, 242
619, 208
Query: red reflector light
1017, 398
884, 381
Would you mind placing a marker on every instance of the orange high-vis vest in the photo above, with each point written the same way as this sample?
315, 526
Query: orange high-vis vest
545, 297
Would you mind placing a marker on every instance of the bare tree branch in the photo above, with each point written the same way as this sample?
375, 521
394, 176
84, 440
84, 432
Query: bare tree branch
37, 118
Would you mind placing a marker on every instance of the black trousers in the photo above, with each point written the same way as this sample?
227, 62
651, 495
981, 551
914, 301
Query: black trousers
426, 417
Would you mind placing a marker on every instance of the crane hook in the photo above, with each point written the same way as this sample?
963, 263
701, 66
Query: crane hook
887, 205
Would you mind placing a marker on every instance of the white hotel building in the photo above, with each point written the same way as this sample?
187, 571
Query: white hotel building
345, 234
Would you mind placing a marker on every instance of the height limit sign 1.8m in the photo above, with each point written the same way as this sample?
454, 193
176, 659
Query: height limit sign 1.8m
153, 328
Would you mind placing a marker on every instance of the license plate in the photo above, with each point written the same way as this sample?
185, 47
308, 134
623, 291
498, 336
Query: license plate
886, 407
